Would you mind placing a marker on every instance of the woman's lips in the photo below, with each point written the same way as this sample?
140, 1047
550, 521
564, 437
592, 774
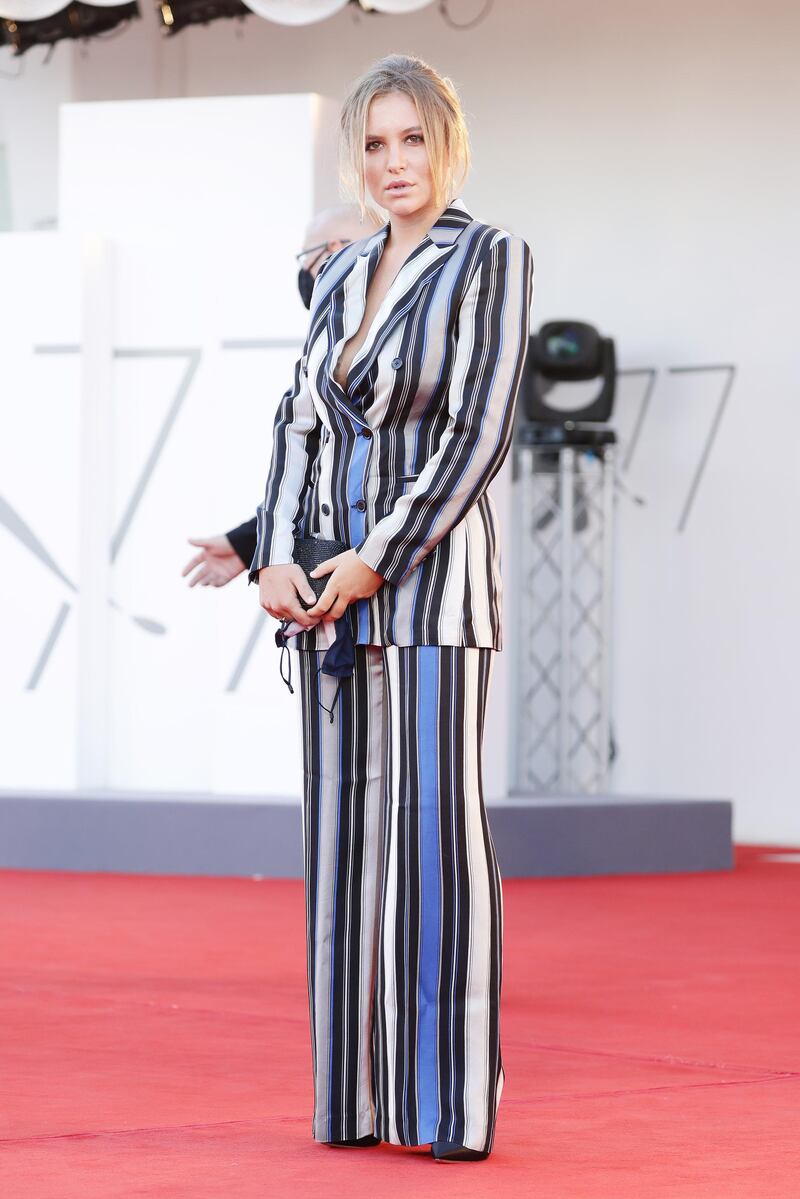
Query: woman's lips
403, 187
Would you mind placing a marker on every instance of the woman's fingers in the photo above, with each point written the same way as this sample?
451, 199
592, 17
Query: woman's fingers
299, 613
301, 584
332, 606
285, 606
288, 607
281, 590
325, 603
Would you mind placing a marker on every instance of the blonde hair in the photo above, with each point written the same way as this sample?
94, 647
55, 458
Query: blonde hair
441, 119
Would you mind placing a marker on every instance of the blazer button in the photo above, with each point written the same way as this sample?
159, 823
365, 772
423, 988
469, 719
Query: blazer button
397, 363
361, 505
366, 432
325, 508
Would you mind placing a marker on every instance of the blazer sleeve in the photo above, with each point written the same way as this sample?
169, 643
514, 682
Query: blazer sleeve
295, 443
243, 540
493, 335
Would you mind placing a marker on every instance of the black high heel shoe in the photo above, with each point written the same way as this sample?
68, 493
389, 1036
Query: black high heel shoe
450, 1151
359, 1143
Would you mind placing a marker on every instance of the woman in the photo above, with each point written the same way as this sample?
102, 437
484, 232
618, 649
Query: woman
400, 414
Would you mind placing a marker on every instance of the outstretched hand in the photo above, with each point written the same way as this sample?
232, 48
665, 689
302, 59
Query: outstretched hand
216, 564
350, 579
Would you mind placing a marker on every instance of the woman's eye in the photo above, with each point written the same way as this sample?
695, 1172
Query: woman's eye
418, 137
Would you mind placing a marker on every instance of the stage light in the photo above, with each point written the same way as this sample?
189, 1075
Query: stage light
176, 15
564, 352
53, 22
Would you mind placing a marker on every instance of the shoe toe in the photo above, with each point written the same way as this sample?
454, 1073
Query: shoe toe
450, 1151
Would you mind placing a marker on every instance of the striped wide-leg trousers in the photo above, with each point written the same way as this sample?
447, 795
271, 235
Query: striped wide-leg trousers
404, 907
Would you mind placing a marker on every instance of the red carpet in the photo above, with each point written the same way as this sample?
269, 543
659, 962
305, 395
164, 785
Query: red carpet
155, 1042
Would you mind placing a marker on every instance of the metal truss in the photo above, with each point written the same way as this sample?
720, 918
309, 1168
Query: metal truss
563, 526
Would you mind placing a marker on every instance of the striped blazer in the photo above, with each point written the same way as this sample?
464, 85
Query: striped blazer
397, 463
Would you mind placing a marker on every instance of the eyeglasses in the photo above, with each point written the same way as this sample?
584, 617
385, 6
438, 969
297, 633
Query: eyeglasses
322, 247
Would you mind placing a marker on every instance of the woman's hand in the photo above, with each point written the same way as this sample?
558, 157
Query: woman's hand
278, 590
350, 579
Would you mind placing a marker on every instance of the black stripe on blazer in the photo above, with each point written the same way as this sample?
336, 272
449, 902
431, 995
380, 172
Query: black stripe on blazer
398, 462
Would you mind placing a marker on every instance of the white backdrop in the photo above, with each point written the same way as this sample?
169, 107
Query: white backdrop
186, 335
661, 221
191, 698
40, 312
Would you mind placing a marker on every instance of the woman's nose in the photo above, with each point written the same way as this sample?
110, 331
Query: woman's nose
396, 157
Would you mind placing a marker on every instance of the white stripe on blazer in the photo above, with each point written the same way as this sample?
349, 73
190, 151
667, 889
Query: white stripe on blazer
397, 465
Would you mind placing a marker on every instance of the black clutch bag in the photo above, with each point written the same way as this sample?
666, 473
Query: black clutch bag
308, 552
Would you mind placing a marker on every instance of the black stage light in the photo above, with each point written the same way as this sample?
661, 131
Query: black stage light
75, 20
569, 352
177, 14
562, 353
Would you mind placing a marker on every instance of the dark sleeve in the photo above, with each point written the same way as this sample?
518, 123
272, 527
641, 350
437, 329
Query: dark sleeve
243, 540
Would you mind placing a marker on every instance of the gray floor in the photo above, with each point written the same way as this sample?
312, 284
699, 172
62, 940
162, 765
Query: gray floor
210, 835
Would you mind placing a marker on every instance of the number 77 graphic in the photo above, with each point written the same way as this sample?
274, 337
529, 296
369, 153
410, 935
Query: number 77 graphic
12, 520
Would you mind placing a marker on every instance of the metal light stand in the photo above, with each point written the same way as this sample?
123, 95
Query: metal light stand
563, 517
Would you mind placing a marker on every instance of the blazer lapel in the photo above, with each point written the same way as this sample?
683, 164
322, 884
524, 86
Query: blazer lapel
348, 298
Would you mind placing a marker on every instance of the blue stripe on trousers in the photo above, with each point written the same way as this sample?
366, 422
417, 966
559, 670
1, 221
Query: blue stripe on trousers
427, 1080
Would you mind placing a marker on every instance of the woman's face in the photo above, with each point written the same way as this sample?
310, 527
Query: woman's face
395, 151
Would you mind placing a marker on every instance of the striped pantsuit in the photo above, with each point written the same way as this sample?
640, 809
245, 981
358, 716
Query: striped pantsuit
404, 908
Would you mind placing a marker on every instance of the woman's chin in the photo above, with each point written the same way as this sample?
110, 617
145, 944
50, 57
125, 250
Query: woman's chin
405, 202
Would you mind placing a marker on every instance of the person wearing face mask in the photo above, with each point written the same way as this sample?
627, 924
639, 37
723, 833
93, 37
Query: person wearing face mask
225, 555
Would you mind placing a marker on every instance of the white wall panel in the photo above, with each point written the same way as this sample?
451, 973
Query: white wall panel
40, 382
196, 313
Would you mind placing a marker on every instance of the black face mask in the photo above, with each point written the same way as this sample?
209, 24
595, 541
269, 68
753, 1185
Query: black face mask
305, 284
